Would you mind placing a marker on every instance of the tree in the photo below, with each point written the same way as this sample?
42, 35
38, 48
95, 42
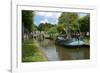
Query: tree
85, 23
27, 20
60, 29
34, 28
41, 26
27, 23
70, 21
52, 30
45, 26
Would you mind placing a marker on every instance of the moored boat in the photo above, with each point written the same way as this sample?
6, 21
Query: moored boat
73, 42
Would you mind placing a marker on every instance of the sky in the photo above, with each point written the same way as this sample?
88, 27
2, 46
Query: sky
49, 17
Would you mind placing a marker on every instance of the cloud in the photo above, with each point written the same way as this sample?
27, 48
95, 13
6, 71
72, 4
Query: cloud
49, 14
82, 14
44, 21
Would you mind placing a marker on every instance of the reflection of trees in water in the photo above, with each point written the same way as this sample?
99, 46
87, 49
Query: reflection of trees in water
64, 53
73, 53
46, 43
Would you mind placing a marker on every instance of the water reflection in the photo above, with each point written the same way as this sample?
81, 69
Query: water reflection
73, 53
49, 48
55, 53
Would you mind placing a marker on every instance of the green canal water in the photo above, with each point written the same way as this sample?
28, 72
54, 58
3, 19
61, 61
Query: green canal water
57, 53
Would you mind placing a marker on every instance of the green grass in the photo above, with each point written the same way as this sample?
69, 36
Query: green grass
31, 52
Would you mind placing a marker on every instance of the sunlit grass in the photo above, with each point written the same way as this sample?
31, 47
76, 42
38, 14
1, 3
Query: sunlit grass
31, 52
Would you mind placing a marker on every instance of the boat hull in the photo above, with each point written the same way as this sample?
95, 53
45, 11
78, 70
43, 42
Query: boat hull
71, 43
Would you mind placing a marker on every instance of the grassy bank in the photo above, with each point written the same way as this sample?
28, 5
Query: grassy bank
31, 52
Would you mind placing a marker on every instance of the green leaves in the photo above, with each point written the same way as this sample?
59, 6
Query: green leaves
85, 23
70, 20
27, 19
52, 30
45, 26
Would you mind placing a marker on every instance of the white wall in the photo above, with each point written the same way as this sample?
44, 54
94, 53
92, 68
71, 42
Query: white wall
5, 34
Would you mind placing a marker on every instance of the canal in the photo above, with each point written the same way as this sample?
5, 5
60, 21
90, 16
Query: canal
56, 53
